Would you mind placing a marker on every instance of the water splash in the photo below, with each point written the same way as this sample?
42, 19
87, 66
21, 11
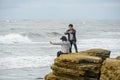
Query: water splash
13, 38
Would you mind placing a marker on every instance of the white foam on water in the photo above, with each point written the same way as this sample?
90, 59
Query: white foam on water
112, 33
109, 44
13, 38
26, 61
101, 43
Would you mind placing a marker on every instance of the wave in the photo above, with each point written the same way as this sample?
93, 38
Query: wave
99, 43
34, 35
14, 38
112, 33
54, 33
26, 61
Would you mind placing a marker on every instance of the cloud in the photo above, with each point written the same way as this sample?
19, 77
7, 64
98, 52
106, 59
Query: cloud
59, 9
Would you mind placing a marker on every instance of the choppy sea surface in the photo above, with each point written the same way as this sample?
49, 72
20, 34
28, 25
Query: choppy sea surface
25, 52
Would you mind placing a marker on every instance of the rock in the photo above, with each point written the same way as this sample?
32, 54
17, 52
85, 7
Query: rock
97, 52
78, 58
85, 65
110, 69
118, 57
51, 76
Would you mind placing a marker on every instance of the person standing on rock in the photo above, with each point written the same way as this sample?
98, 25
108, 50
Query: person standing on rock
65, 45
71, 32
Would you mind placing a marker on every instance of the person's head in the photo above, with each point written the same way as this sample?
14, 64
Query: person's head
63, 38
70, 26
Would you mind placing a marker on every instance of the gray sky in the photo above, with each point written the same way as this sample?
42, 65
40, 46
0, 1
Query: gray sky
59, 9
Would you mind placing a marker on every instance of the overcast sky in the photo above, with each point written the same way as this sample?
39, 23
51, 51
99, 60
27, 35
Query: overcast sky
59, 9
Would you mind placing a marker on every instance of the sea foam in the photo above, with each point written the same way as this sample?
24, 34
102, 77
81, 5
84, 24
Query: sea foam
14, 38
26, 61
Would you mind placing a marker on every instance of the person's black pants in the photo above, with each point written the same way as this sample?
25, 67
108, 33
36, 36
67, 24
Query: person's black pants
75, 46
59, 53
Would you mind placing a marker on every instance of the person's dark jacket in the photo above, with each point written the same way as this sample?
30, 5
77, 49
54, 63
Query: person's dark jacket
74, 34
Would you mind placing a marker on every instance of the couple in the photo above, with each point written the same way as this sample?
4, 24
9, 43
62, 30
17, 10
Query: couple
67, 44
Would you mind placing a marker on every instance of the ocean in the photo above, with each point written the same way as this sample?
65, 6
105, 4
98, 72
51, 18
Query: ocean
25, 52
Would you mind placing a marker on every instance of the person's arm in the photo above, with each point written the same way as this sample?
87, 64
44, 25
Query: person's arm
55, 43
67, 32
58, 43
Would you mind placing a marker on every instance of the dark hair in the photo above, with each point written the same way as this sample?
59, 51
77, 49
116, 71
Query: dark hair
63, 38
70, 25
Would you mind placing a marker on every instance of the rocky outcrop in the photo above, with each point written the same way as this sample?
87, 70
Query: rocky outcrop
97, 52
118, 57
110, 69
85, 65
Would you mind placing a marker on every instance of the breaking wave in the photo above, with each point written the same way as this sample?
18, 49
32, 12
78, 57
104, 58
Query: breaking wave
14, 38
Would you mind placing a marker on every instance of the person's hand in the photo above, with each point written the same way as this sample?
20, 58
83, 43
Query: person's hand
51, 42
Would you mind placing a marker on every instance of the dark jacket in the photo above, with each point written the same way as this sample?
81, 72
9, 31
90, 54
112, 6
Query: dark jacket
74, 34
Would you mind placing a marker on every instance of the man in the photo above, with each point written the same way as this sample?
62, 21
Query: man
65, 45
71, 32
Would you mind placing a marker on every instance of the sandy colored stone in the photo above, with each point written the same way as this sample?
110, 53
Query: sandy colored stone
118, 57
97, 52
51, 76
85, 65
110, 69
78, 58
67, 71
